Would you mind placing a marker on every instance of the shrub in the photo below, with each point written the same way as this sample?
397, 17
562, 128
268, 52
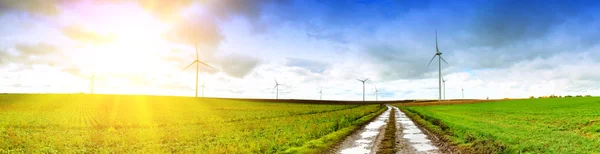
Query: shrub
531, 97
578, 96
588, 95
568, 96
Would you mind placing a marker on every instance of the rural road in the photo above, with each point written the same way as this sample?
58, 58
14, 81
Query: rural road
409, 138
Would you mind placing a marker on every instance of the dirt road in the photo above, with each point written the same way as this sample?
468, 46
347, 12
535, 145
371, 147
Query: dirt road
409, 138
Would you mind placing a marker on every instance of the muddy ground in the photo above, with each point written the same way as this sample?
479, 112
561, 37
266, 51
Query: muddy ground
364, 141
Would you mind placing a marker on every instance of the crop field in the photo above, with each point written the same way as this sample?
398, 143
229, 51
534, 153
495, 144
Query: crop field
551, 125
150, 124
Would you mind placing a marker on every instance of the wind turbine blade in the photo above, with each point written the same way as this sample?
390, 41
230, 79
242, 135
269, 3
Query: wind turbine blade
190, 65
436, 42
277, 83
274, 87
444, 60
205, 64
431, 61
366, 79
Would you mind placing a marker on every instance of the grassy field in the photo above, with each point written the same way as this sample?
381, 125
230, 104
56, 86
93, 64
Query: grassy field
553, 125
150, 124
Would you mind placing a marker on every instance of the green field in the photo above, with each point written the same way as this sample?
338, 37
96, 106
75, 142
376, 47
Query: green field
553, 125
151, 124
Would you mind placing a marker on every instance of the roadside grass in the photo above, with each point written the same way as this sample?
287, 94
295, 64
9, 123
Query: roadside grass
553, 125
324, 143
160, 124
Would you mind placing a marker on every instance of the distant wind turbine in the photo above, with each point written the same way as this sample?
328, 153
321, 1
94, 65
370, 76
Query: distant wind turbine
444, 88
276, 88
363, 82
463, 91
439, 54
321, 94
376, 94
197, 62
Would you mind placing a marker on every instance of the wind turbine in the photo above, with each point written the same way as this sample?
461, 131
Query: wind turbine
363, 82
444, 88
197, 61
463, 91
276, 87
376, 94
439, 54
321, 94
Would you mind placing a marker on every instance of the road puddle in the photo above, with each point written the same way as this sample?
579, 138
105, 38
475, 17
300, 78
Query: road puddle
366, 142
413, 134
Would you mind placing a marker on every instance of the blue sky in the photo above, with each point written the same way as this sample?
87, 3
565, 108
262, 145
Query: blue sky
495, 49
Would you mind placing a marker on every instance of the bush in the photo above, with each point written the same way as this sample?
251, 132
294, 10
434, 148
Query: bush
568, 96
588, 95
578, 96
531, 97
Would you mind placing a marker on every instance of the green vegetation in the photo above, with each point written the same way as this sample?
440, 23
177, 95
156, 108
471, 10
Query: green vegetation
151, 124
567, 125
388, 143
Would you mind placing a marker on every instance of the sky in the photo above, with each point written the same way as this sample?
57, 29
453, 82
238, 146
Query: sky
495, 49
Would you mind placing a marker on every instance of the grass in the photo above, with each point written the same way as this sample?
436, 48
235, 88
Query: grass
152, 124
555, 125
388, 143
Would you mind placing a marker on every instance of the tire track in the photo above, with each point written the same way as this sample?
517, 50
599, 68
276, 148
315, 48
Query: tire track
366, 139
413, 140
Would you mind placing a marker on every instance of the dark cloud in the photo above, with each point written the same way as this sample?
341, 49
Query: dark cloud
238, 65
502, 23
45, 7
397, 62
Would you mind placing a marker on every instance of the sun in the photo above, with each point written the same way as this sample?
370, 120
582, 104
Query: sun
135, 48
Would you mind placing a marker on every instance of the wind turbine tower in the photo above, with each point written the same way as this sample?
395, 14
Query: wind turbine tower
363, 82
444, 88
440, 59
321, 94
276, 88
197, 62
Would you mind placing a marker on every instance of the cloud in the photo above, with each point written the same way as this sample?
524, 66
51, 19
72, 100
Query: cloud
43, 54
237, 65
79, 33
195, 30
44, 7
37, 49
313, 66
501, 23
165, 10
